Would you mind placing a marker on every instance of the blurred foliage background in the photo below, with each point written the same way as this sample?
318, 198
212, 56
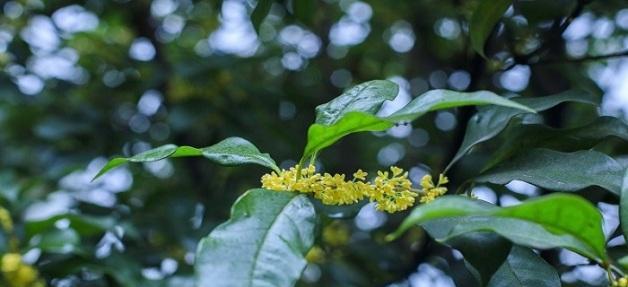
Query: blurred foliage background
82, 81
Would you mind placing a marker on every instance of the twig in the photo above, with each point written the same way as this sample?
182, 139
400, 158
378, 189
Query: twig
583, 59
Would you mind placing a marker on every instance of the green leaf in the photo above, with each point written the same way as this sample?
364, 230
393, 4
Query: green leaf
85, 225
262, 244
524, 137
556, 220
231, 151
483, 252
483, 20
559, 171
623, 205
367, 97
525, 268
488, 122
321, 136
57, 241
445, 99
260, 12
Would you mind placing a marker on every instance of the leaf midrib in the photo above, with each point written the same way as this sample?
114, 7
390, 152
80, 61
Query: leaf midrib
264, 238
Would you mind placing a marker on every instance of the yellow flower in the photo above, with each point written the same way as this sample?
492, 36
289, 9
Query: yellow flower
392, 191
360, 175
315, 255
5, 220
11, 262
621, 282
431, 191
336, 234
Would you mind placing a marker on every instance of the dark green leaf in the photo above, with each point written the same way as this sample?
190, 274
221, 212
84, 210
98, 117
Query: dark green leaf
524, 268
556, 220
483, 20
623, 205
483, 252
57, 241
262, 244
230, 151
367, 97
559, 171
524, 137
490, 121
445, 99
84, 224
260, 12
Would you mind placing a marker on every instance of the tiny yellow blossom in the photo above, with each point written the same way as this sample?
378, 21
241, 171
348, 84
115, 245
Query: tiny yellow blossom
430, 190
360, 175
17, 273
393, 192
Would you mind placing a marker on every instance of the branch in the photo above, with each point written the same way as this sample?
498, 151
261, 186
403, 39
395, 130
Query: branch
583, 59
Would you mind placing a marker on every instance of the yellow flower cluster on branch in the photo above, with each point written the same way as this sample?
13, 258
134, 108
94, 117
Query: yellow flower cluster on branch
431, 191
391, 190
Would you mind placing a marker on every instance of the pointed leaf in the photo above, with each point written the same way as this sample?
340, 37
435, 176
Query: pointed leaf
321, 136
623, 205
488, 122
367, 97
230, 151
484, 18
260, 12
556, 220
559, 171
237, 151
262, 244
445, 99
525, 268
524, 137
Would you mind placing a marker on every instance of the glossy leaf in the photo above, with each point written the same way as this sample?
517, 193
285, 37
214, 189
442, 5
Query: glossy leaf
488, 122
346, 120
559, 171
231, 151
321, 136
525, 268
483, 20
84, 224
367, 97
623, 205
262, 244
556, 220
524, 137
445, 99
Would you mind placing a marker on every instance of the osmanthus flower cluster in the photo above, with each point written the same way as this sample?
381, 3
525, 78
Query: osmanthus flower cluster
391, 190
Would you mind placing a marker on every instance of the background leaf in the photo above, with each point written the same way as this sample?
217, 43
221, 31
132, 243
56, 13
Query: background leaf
623, 205
484, 252
556, 220
524, 137
559, 171
488, 122
525, 268
260, 12
262, 244
484, 18
230, 151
